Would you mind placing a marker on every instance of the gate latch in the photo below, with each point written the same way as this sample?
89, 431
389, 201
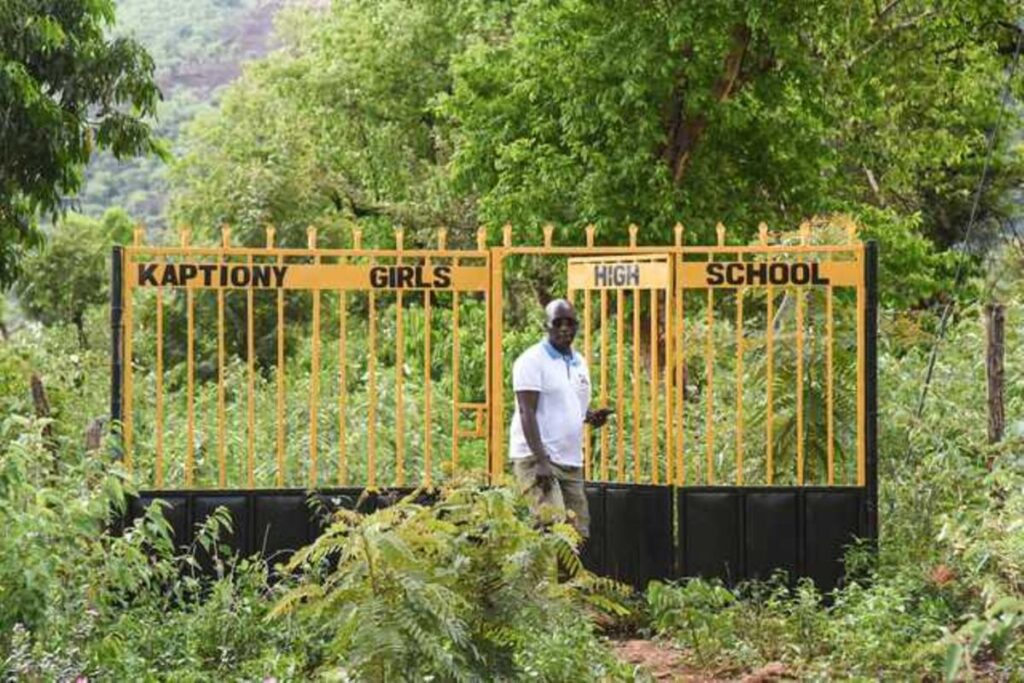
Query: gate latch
479, 420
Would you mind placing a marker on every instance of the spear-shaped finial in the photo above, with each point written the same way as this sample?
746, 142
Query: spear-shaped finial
506, 234
311, 237
271, 231
678, 230
762, 232
481, 238
632, 234
549, 231
225, 235
590, 234
720, 231
442, 238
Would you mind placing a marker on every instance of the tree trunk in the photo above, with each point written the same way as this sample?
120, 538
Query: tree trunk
94, 435
685, 131
995, 327
79, 321
42, 407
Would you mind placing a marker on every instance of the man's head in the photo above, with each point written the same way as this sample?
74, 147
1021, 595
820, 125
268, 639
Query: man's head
561, 324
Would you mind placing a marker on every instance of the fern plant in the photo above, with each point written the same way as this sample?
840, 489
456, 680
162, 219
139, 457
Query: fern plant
466, 589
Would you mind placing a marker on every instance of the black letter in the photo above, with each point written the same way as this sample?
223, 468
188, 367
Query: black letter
756, 273
408, 275
170, 275
242, 281
734, 273
260, 276
816, 278
279, 272
187, 272
146, 274
715, 273
778, 274
379, 277
443, 276
207, 269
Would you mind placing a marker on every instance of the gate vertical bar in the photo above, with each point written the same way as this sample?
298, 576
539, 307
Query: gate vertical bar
428, 410
829, 388
280, 370
604, 383
655, 451
116, 339
871, 385
636, 386
709, 379
497, 391
342, 389
399, 375
620, 399
798, 292
371, 405
739, 386
861, 372
588, 473
250, 391
669, 370
190, 369
222, 479
128, 420
680, 367
769, 366
314, 379
159, 387
481, 246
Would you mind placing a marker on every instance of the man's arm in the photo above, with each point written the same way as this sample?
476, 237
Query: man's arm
527, 401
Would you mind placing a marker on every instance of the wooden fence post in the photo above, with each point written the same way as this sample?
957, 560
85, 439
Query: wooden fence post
995, 328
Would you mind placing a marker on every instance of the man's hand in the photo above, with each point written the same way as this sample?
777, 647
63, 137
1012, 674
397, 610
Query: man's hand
544, 474
598, 418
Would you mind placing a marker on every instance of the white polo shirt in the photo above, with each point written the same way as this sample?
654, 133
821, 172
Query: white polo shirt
564, 386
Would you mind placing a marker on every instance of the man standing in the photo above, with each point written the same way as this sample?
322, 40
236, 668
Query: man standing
552, 387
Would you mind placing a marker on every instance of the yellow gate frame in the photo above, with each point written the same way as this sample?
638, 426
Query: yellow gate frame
667, 273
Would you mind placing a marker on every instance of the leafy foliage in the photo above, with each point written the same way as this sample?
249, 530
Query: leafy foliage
463, 589
65, 88
70, 274
945, 597
572, 113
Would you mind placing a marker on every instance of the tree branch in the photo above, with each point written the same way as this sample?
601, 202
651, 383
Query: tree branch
686, 131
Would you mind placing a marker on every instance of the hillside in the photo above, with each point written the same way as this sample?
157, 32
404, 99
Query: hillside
198, 47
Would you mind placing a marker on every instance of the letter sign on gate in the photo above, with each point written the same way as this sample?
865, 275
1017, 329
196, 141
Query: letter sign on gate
702, 274
307, 276
619, 272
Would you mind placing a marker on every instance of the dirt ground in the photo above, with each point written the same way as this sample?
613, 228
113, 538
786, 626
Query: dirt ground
665, 663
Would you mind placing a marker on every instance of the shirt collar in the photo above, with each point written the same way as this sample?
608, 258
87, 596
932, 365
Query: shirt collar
553, 353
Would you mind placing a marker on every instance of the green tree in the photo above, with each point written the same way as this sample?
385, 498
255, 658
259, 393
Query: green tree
612, 113
341, 124
736, 111
65, 88
69, 274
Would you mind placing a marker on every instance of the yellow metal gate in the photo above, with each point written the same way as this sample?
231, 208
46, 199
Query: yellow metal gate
739, 364
378, 399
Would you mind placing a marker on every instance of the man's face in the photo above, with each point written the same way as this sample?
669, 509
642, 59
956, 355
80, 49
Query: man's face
561, 325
